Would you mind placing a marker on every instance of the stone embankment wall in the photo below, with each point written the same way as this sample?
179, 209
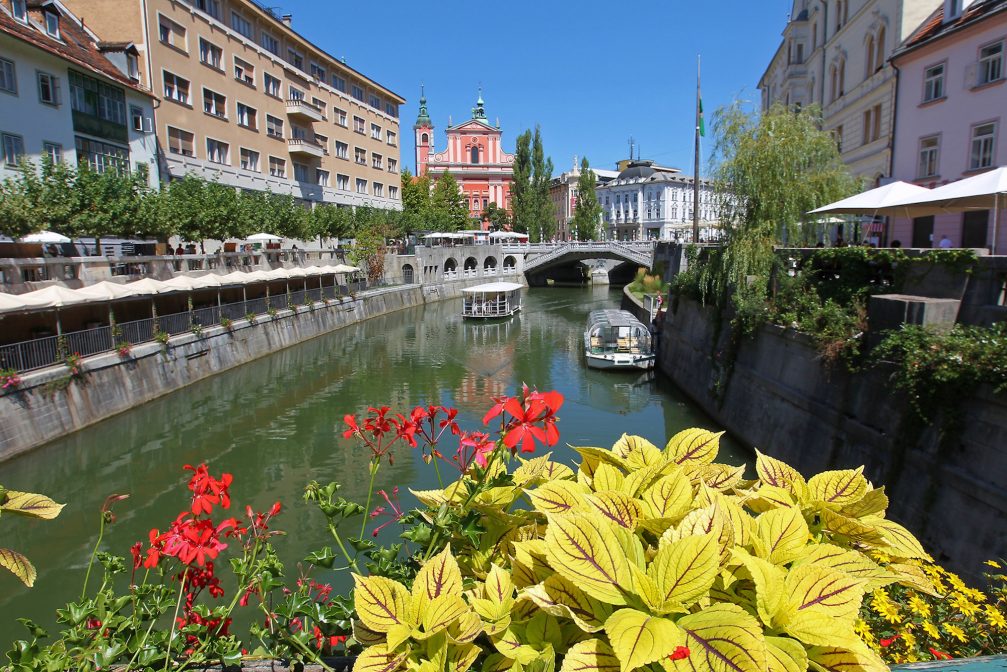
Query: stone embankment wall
41, 412
781, 399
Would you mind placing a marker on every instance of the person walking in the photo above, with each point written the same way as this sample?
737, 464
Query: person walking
945, 243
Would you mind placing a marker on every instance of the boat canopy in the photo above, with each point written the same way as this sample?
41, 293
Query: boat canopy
616, 331
492, 287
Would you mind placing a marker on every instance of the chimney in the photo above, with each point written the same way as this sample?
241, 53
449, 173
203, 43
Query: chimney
287, 19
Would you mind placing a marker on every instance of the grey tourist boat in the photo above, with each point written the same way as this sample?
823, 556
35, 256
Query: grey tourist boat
492, 300
614, 339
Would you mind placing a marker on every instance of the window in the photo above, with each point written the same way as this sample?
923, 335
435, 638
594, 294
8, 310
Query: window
360, 156
13, 148
872, 124
374, 102
210, 54
393, 192
176, 88
870, 56
358, 125
301, 172
274, 126
392, 139
171, 33
358, 93
294, 93
837, 135
51, 24
8, 82
361, 186
377, 161
933, 83
102, 156
271, 85
242, 25
248, 117
339, 116
211, 7
277, 167
424, 139
48, 89
991, 63
133, 67
298, 132
322, 177
269, 43
379, 189
91, 97
929, 156
217, 151
392, 110
244, 72
323, 141
320, 104
983, 139
249, 160
53, 150
20, 9
474, 155
180, 142
317, 71
214, 103
375, 131
338, 83
879, 57
343, 182
393, 165
295, 58
136, 118
342, 150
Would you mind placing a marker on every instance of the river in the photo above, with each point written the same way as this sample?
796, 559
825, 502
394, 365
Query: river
276, 424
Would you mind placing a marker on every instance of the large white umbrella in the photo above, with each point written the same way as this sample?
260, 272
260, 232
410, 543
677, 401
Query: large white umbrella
894, 198
45, 237
262, 238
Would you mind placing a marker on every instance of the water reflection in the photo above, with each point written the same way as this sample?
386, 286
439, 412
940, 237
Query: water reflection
276, 424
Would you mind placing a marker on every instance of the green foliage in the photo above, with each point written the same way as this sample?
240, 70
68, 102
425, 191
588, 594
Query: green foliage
330, 221
647, 283
415, 202
587, 210
29, 505
542, 224
448, 211
520, 190
497, 217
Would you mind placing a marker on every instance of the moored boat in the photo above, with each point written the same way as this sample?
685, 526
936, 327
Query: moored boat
492, 300
614, 339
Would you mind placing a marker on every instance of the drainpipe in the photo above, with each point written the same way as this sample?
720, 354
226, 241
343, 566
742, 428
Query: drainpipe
891, 141
825, 39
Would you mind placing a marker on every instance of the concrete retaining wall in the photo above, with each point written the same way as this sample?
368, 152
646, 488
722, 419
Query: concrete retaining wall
782, 400
39, 413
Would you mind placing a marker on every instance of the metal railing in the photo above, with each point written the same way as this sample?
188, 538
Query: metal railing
39, 353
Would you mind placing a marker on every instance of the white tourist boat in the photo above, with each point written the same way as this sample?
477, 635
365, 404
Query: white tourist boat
614, 339
494, 299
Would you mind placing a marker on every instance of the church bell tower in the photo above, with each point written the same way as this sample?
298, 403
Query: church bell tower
424, 130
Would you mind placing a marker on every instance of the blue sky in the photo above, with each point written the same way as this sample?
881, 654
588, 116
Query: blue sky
590, 73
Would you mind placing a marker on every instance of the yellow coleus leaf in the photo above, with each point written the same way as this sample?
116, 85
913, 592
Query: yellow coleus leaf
30, 504
637, 451
684, 570
461, 658
694, 445
832, 659
822, 604
558, 496
510, 645
616, 507
561, 597
849, 562
639, 639
721, 638
783, 535
19, 565
585, 550
365, 635
499, 588
856, 529
838, 488
465, 629
770, 598
430, 498
742, 524
378, 658
594, 456
785, 655
897, 540
670, 497
607, 477
542, 629
442, 612
779, 474
380, 602
437, 577
875, 502
642, 478
707, 520
769, 497
592, 655
540, 468
721, 476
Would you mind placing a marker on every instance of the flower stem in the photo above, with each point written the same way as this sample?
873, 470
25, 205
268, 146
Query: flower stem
174, 620
375, 464
94, 554
437, 470
335, 535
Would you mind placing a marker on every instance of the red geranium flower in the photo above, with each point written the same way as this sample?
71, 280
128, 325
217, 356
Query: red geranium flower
888, 641
533, 418
680, 653
939, 655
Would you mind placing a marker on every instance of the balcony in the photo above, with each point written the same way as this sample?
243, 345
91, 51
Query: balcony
303, 111
306, 147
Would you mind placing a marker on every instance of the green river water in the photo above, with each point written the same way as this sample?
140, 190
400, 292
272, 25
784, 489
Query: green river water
276, 424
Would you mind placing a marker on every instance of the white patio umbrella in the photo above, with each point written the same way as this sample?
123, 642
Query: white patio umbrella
262, 238
45, 237
895, 198
54, 296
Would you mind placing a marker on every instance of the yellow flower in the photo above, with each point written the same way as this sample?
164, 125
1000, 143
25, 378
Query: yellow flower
995, 618
956, 581
931, 629
975, 594
955, 632
864, 630
881, 557
909, 639
919, 606
962, 604
994, 564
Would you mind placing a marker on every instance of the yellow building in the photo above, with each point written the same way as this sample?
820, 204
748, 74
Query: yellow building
245, 100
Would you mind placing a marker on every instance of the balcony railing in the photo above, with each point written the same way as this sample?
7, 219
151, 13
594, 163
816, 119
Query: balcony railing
302, 109
306, 146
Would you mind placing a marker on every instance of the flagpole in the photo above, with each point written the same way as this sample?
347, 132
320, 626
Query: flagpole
695, 179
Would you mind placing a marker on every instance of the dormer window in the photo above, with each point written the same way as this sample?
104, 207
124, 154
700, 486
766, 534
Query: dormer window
952, 9
20, 10
133, 66
52, 24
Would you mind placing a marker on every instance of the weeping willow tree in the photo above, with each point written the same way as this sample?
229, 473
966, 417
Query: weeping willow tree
770, 170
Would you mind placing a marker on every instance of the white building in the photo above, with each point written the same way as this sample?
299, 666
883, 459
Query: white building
648, 202
835, 54
65, 94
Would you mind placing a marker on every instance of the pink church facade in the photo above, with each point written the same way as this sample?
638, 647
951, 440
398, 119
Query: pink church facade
473, 155
952, 107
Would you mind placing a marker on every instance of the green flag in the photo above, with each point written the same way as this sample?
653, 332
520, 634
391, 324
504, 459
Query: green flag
699, 114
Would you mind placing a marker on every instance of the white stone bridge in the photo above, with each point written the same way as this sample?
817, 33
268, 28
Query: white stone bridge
544, 256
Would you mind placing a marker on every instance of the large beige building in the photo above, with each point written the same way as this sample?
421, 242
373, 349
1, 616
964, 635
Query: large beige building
835, 54
247, 101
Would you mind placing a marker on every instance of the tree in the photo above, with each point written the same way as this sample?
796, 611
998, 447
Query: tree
587, 210
107, 204
520, 190
330, 221
496, 216
20, 203
447, 206
415, 202
541, 221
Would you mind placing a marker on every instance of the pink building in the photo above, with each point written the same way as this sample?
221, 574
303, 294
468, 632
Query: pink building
952, 106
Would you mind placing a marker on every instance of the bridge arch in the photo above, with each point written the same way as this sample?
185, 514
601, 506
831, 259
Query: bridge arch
407, 274
471, 264
450, 265
490, 263
509, 261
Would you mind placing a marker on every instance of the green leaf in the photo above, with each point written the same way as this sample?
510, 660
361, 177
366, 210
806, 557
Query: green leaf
19, 565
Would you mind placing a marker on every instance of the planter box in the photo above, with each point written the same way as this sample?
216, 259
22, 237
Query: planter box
983, 664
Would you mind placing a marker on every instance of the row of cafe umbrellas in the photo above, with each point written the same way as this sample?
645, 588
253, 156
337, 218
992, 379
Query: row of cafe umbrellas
50, 237
986, 191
